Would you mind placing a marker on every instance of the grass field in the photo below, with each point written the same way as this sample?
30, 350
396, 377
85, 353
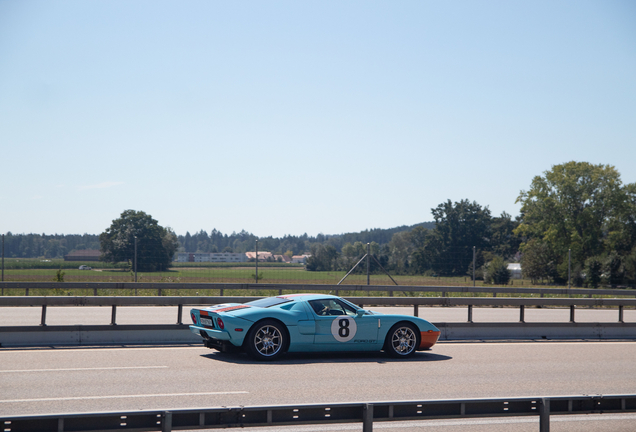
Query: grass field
282, 275
268, 273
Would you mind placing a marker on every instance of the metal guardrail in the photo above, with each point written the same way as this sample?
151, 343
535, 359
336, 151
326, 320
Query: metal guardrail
355, 412
416, 302
390, 289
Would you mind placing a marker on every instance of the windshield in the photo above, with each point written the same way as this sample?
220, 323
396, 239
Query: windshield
268, 302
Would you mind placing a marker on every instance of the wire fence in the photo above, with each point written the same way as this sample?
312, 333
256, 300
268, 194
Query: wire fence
367, 269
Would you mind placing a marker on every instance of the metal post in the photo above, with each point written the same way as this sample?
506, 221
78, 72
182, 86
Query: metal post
522, 313
569, 267
470, 313
43, 320
473, 265
368, 263
571, 313
256, 275
180, 315
544, 415
620, 314
416, 310
2, 262
367, 418
113, 316
166, 423
135, 260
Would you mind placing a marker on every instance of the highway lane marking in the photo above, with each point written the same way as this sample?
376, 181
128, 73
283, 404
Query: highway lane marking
83, 369
122, 396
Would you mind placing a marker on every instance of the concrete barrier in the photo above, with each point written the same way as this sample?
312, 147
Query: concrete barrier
78, 335
74, 335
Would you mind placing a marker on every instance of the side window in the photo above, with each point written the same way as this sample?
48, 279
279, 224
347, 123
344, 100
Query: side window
331, 307
318, 306
348, 310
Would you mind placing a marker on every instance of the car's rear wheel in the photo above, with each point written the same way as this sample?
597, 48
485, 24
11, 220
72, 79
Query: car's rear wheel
266, 340
402, 340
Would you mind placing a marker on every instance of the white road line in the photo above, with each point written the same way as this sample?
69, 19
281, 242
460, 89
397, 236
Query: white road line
122, 396
83, 369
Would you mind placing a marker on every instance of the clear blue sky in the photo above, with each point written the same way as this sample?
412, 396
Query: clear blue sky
306, 116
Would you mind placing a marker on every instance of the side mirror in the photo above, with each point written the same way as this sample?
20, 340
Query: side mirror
360, 312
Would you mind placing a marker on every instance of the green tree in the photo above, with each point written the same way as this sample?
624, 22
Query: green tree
503, 240
398, 251
323, 258
593, 271
156, 245
578, 206
497, 272
537, 262
459, 227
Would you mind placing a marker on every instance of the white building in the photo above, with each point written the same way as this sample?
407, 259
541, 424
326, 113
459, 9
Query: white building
210, 257
515, 270
262, 256
300, 259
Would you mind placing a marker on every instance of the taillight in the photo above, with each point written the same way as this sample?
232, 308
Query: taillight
194, 317
219, 322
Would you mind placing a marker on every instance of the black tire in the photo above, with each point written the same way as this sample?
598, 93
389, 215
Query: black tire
266, 340
402, 340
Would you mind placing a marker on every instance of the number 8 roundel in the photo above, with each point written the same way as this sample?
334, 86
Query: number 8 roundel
343, 328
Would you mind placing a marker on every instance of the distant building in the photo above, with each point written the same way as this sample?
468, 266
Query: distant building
262, 256
282, 258
83, 255
300, 259
210, 257
515, 270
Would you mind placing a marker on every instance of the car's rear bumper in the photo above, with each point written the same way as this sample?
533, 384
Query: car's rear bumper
211, 333
428, 339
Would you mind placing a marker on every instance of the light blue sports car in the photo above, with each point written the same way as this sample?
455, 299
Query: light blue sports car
269, 327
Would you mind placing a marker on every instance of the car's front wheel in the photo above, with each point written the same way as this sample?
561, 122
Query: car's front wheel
402, 340
266, 340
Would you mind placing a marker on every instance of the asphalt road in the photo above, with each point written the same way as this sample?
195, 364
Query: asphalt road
40, 381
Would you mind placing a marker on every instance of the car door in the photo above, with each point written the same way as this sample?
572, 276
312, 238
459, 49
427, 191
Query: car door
339, 326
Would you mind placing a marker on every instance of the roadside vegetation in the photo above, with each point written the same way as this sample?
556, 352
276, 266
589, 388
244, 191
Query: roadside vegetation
577, 226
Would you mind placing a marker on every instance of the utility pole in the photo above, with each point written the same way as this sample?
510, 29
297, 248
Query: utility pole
569, 267
473, 265
135, 258
256, 275
368, 263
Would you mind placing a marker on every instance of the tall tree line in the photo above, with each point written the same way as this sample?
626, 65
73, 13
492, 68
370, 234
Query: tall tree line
216, 241
47, 246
